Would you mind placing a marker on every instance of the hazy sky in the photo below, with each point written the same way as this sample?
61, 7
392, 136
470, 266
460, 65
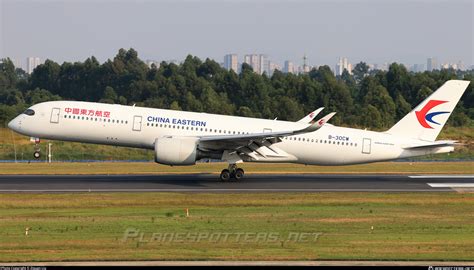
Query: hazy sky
371, 31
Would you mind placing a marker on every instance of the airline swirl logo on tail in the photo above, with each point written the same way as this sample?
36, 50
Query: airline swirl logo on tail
423, 115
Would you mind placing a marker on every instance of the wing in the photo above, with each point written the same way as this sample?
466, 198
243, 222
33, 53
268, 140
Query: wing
255, 146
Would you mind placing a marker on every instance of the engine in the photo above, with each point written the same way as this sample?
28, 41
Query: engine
176, 151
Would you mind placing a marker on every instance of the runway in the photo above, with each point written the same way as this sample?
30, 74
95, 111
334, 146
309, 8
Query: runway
250, 183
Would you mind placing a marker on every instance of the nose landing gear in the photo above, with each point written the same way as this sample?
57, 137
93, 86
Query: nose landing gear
231, 173
37, 152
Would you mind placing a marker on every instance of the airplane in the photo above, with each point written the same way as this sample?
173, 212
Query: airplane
182, 138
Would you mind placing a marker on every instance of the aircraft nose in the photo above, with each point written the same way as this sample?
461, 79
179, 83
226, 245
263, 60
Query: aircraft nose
13, 124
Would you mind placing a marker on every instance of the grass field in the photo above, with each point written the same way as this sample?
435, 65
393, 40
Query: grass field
351, 226
466, 167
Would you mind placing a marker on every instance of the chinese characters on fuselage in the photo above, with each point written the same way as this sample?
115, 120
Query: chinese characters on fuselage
87, 112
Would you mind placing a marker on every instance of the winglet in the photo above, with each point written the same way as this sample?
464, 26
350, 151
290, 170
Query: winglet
310, 117
318, 124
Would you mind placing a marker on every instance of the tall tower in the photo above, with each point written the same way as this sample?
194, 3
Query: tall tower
431, 64
288, 67
230, 62
254, 61
32, 63
305, 64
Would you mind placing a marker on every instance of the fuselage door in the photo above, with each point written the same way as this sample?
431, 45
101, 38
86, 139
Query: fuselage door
137, 123
267, 130
55, 115
366, 145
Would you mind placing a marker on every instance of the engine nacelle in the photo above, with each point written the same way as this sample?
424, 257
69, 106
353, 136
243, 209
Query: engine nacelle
176, 151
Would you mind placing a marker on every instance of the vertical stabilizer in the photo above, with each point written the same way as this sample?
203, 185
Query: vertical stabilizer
428, 118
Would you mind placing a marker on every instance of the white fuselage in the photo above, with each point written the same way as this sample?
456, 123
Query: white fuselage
139, 127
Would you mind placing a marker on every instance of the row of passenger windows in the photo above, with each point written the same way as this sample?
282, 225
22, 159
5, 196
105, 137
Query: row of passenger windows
320, 141
96, 119
197, 128
243, 133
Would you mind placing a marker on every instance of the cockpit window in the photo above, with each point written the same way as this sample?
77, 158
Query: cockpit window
29, 112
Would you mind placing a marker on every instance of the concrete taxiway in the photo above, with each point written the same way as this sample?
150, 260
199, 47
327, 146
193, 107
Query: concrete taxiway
251, 183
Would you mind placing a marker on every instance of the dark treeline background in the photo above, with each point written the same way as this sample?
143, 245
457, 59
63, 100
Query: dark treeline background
372, 99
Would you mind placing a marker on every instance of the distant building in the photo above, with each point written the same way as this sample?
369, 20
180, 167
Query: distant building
431, 64
32, 63
231, 62
254, 61
418, 68
149, 63
341, 65
272, 67
305, 68
289, 67
264, 64
259, 63
16, 62
456, 66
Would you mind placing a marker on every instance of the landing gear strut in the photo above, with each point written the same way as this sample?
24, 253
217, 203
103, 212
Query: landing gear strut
231, 173
37, 152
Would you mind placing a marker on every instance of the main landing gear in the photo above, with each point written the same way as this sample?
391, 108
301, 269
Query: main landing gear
231, 173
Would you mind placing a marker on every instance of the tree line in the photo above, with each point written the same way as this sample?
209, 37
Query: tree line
367, 98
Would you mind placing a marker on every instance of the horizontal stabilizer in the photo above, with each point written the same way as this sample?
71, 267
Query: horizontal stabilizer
431, 145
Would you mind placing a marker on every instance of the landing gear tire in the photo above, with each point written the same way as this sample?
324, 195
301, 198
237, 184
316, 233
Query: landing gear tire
232, 173
239, 174
225, 175
37, 154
